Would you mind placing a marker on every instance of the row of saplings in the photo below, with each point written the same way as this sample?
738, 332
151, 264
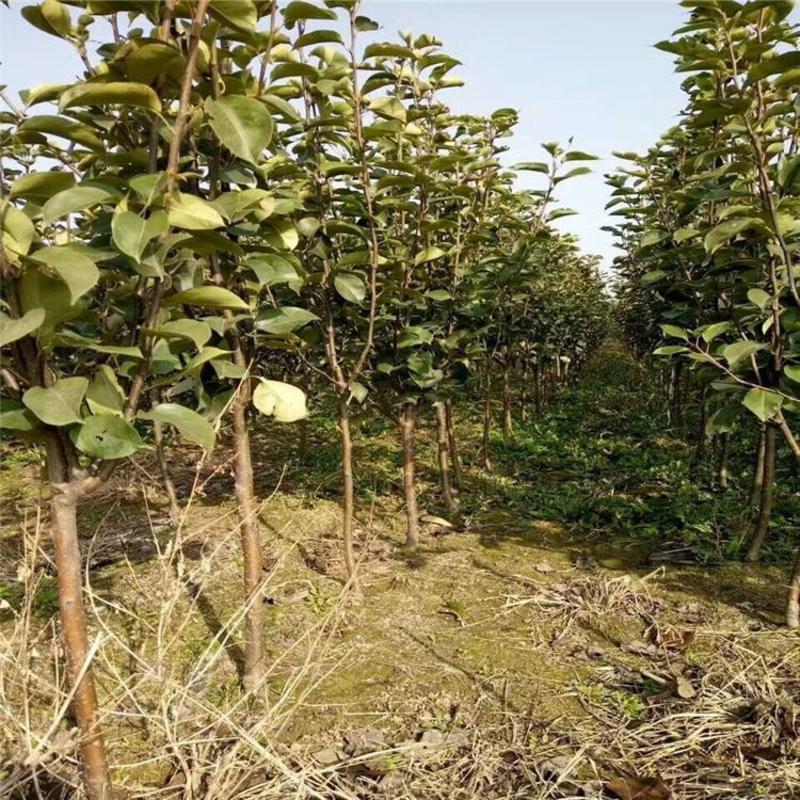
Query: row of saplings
232, 184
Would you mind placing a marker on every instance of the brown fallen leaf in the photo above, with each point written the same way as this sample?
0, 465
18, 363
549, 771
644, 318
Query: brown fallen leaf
543, 567
684, 688
634, 788
671, 638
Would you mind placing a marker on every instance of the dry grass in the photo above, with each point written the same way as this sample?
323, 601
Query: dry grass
557, 681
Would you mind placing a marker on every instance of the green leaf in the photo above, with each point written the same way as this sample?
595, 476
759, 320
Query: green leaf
59, 404
710, 332
77, 271
188, 329
131, 233
284, 320
763, 403
194, 213
105, 395
759, 297
533, 166
207, 297
40, 186
190, 424
300, 10
579, 155
653, 236
124, 93
387, 50
242, 14
792, 371
14, 417
43, 93
675, 331
57, 16
242, 124
723, 419
82, 342
64, 128
77, 198
428, 254
107, 436
358, 391
670, 350
725, 231
389, 107
351, 286
365, 24
18, 230
789, 175
413, 336
280, 400
271, 269
13, 329
733, 353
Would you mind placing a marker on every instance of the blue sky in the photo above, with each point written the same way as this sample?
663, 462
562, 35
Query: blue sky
581, 69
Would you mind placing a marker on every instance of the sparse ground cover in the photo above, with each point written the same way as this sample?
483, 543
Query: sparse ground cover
587, 624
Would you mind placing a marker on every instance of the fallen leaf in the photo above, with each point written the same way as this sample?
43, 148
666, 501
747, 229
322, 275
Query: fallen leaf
543, 567
639, 789
684, 688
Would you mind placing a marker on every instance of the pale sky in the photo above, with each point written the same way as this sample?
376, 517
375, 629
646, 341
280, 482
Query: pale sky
582, 69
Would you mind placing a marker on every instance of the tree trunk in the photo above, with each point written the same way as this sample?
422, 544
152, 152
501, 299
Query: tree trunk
444, 455
507, 419
251, 547
487, 418
348, 490
524, 399
722, 471
762, 523
408, 421
453, 444
64, 533
793, 596
758, 469
537, 388
163, 468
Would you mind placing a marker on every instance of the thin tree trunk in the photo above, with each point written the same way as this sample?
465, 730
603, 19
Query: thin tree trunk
453, 444
348, 490
487, 418
793, 596
507, 419
64, 533
524, 399
758, 469
537, 388
762, 523
444, 456
722, 472
163, 468
408, 421
251, 547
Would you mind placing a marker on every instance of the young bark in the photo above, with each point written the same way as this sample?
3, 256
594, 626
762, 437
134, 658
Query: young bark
793, 596
408, 421
251, 547
722, 470
762, 523
507, 419
453, 444
163, 468
487, 419
758, 469
537, 388
444, 456
64, 533
348, 490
